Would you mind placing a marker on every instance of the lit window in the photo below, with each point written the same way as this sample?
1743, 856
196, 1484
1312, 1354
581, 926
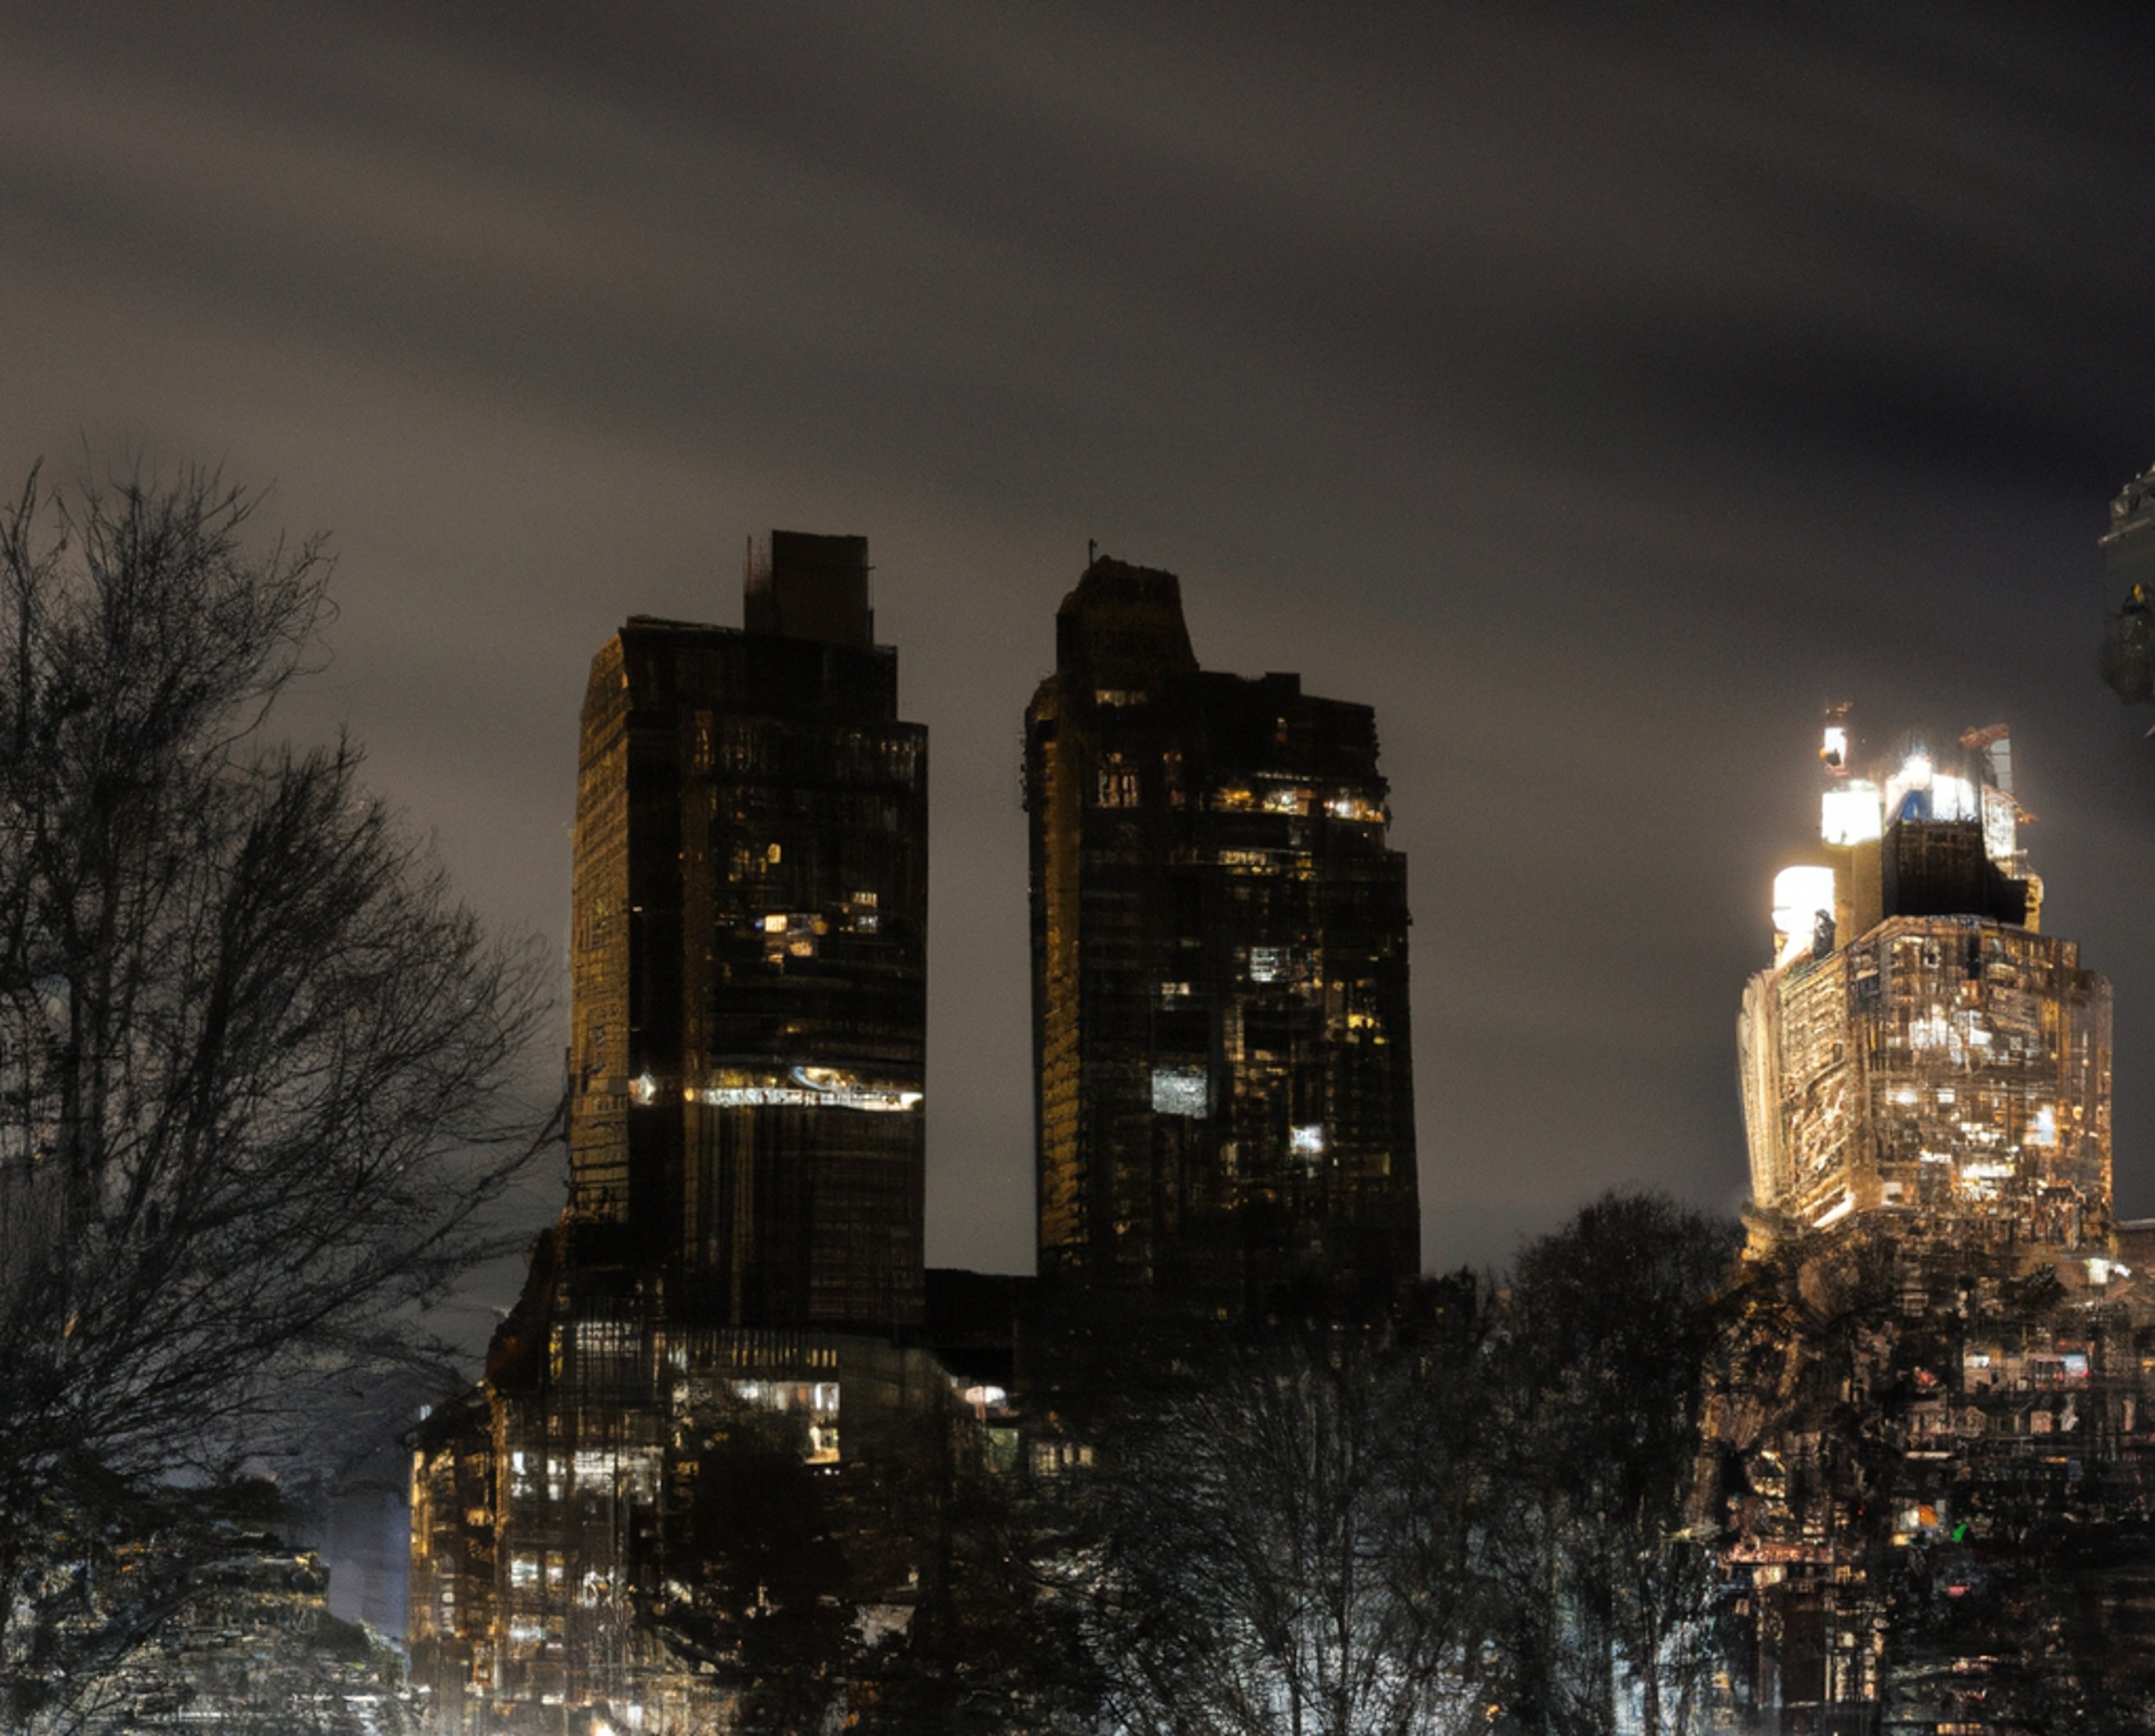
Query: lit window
1308, 1141
2000, 825
1954, 798
1118, 786
1268, 964
1180, 1091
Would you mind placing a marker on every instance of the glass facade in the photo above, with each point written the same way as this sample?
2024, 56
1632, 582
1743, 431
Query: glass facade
1220, 972
749, 947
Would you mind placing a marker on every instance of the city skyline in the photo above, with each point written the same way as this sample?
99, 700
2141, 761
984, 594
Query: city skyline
1593, 399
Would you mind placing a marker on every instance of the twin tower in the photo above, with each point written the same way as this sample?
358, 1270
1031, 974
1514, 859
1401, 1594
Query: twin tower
1220, 1038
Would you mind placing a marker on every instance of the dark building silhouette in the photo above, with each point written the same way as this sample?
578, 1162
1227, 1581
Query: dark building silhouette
2126, 659
645, 1516
1223, 1079
749, 956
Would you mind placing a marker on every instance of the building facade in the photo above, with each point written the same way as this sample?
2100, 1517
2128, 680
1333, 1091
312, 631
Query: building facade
1221, 1040
1929, 1422
749, 956
646, 1517
1919, 1045
2128, 656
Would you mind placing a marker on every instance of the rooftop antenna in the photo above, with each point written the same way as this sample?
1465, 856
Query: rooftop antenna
1091, 551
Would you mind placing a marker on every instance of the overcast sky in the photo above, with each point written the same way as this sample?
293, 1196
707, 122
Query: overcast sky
1596, 399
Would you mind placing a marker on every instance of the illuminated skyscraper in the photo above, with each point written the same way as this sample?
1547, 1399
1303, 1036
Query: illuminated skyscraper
1919, 1048
751, 915
1220, 972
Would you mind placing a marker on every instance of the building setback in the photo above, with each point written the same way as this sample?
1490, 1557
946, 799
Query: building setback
749, 949
1223, 1069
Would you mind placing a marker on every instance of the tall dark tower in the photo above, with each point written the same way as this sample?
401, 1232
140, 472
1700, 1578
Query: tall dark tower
2127, 657
751, 921
1223, 1067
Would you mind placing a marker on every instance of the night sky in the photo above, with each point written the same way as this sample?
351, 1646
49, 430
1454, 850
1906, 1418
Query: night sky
1596, 399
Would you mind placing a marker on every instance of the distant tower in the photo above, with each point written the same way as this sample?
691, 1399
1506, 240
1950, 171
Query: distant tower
1919, 1050
2128, 562
1219, 973
750, 916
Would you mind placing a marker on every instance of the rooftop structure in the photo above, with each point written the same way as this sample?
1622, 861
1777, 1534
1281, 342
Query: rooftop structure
1224, 1078
1918, 1047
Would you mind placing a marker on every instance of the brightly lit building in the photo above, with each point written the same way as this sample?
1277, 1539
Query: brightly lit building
1224, 1078
1919, 1051
748, 1025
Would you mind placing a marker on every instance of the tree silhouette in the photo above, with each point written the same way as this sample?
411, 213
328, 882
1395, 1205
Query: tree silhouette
1289, 1543
1612, 1322
256, 1064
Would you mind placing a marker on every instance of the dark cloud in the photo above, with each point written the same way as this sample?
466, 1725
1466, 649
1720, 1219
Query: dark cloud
1594, 394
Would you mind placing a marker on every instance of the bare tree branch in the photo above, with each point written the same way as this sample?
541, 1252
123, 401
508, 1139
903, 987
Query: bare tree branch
258, 1067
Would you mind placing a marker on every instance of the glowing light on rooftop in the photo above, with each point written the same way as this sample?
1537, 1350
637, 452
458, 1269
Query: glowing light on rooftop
1850, 813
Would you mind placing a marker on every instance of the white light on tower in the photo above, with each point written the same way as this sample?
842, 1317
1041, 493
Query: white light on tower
1915, 774
1801, 895
1850, 813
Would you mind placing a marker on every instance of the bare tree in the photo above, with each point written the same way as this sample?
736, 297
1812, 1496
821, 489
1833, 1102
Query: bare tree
1290, 1545
257, 1065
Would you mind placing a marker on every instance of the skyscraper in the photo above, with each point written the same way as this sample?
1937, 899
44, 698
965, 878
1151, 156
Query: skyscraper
749, 949
1919, 1048
1222, 1052
1930, 1418
660, 1423
2127, 657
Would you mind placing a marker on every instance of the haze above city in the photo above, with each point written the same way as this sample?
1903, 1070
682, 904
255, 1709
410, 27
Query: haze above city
1596, 400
